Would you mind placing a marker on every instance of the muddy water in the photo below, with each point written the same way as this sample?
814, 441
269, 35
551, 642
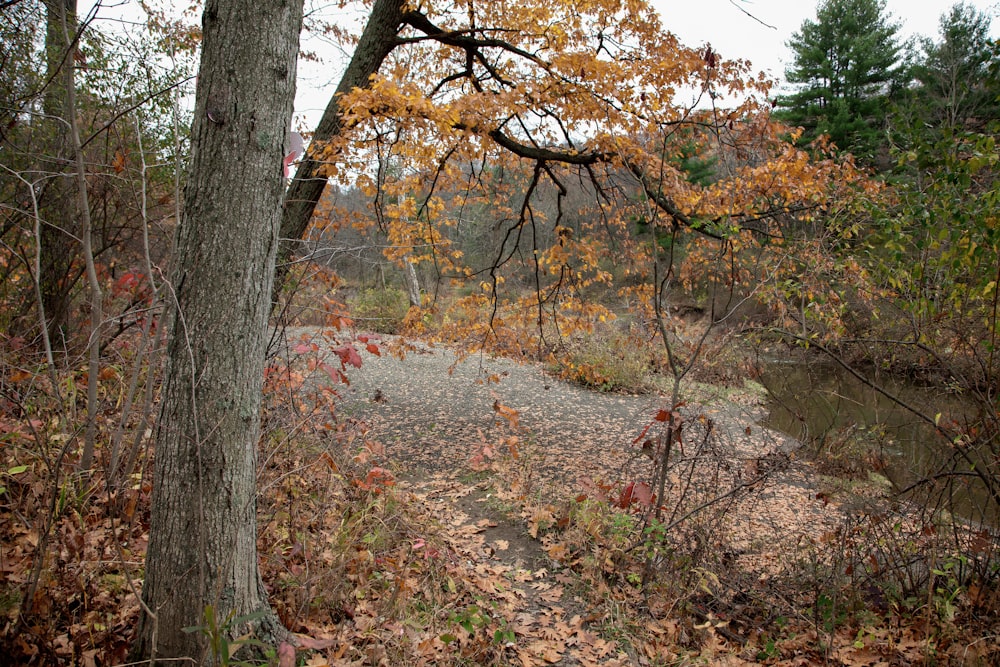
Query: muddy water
823, 405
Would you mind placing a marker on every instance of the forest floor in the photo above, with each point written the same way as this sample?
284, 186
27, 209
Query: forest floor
503, 455
440, 509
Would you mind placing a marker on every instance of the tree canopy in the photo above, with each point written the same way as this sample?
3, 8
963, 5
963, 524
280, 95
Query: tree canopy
458, 96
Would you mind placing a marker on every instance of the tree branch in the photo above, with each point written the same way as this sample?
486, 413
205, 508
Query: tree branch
460, 38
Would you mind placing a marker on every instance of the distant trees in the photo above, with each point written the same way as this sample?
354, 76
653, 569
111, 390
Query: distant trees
846, 62
932, 249
954, 85
940, 229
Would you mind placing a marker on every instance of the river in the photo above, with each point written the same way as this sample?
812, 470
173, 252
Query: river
862, 430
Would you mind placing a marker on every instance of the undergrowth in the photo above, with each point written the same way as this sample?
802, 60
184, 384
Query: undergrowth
608, 360
380, 310
377, 572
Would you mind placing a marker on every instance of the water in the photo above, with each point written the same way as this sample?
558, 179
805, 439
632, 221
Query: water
823, 405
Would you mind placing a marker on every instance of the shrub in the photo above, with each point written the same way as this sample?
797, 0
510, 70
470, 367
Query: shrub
608, 361
380, 310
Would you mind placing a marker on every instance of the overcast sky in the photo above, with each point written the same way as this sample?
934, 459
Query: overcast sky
736, 35
759, 37
731, 32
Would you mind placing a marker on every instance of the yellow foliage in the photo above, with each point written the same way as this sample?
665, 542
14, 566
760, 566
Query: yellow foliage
504, 103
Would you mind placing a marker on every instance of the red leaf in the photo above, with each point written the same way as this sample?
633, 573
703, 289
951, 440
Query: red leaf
662, 416
295, 147
335, 374
642, 494
635, 492
349, 356
371, 347
286, 655
643, 434
625, 498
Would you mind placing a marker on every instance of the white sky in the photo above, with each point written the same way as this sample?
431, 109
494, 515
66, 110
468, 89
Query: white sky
722, 23
735, 35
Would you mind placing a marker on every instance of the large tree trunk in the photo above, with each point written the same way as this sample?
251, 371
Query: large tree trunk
203, 534
377, 41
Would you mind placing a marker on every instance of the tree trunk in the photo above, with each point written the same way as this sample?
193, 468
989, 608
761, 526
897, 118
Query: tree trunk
57, 233
84, 225
203, 535
377, 41
412, 283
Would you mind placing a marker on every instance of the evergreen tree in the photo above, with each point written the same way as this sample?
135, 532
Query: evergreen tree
955, 87
846, 62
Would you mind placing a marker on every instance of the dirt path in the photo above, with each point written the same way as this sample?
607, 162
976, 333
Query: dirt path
433, 414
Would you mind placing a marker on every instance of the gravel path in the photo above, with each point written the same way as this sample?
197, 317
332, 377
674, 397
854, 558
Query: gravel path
433, 413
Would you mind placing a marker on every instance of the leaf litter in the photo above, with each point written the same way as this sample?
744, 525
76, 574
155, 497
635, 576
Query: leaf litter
428, 513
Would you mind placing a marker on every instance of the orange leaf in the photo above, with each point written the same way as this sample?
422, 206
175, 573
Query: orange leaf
330, 462
118, 162
19, 376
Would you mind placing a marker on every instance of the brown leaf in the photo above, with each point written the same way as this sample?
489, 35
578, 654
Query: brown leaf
314, 644
118, 162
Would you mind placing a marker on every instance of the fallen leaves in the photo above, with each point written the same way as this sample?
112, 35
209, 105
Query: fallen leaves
383, 562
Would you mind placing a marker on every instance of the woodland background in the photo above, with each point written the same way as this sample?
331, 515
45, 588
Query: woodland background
185, 306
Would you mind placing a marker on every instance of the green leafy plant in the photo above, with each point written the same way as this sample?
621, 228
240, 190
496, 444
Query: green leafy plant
470, 618
14, 470
221, 646
947, 587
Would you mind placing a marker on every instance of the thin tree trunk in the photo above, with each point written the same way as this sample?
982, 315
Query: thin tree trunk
203, 533
412, 283
56, 237
83, 211
377, 41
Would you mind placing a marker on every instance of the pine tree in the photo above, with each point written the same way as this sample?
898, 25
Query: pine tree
956, 88
846, 62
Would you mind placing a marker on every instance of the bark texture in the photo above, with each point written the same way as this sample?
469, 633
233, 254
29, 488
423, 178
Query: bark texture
203, 535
